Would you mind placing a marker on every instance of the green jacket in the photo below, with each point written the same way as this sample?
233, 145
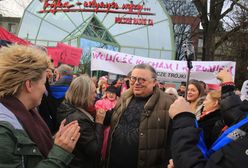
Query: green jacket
153, 129
17, 150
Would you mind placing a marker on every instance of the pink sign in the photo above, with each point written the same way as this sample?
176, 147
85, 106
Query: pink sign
66, 54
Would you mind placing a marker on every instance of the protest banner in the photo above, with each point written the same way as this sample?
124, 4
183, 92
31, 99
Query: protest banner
167, 70
65, 54
71, 55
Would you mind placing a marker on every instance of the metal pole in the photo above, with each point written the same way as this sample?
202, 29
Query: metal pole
189, 64
189, 56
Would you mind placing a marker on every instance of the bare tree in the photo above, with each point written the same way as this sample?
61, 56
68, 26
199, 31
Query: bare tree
179, 10
212, 14
236, 47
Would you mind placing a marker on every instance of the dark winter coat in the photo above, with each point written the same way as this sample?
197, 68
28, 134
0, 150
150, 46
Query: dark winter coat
18, 150
88, 148
185, 151
212, 125
153, 150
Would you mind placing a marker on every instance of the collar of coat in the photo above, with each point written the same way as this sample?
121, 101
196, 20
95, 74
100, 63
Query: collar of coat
128, 94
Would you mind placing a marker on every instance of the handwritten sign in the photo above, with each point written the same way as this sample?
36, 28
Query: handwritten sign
167, 70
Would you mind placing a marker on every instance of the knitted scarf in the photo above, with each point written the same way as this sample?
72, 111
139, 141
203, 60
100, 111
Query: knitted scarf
32, 123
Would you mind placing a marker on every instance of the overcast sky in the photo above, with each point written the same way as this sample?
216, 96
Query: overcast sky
13, 8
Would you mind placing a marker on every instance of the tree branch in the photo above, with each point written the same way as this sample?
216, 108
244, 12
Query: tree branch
230, 33
201, 6
227, 11
241, 6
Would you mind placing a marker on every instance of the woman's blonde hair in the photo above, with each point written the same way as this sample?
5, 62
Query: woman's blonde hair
19, 64
79, 91
215, 95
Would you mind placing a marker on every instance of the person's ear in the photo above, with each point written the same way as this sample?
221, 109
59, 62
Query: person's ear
155, 83
216, 103
28, 85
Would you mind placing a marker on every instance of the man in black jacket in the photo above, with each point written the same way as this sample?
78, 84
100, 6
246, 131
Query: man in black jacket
230, 150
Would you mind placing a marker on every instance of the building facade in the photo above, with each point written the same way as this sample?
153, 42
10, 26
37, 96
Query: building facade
10, 23
138, 27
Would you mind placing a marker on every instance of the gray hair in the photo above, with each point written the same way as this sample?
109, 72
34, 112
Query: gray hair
148, 67
65, 70
172, 91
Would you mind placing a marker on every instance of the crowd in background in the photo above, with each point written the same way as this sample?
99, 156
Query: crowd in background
204, 102
133, 121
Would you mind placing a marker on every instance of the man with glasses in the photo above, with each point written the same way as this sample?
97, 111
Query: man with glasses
139, 123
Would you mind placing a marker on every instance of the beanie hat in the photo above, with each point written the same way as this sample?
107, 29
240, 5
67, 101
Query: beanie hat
112, 89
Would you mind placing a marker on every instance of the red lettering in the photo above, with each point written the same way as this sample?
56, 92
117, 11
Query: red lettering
109, 58
117, 20
150, 22
86, 4
96, 55
79, 3
103, 7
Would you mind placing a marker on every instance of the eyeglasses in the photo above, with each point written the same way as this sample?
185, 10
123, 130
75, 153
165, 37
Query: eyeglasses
133, 79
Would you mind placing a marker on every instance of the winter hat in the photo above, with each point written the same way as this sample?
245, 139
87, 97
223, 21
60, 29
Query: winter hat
244, 91
112, 89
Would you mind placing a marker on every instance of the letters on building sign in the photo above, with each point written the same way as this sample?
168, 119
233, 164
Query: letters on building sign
54, 6
134, 21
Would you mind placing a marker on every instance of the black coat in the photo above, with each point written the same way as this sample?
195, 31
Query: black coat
212, 125
185, 151
186, 154
88, 148
47, 110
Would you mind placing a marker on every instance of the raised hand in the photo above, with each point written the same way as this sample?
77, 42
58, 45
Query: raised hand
224, 76
100, 115
67, 136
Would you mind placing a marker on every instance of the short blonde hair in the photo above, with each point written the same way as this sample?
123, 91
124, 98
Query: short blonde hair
19, 64
79, 91
215, 95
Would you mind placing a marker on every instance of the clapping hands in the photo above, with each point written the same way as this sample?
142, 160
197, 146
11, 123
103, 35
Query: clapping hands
68, 135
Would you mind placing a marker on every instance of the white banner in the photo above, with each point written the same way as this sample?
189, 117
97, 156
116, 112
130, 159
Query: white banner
167, 70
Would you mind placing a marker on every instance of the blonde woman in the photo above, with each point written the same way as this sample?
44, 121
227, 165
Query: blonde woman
210, 119
25, 139
79, 99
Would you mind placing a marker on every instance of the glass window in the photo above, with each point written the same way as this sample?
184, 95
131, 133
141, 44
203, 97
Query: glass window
28, 30
54, 33
61, 20
69, 26
12, 28
87, 44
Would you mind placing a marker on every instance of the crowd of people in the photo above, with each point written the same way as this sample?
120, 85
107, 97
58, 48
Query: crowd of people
51, 117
